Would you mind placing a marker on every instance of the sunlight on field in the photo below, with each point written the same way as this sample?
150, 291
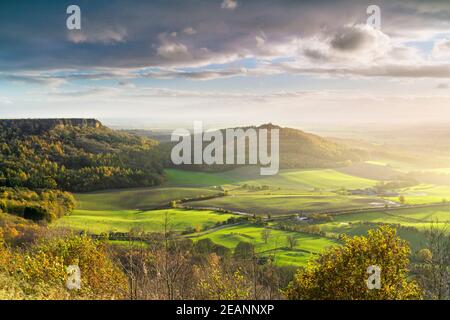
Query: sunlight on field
425, 194
276, 204
439, 170
289, 192
148, 221
327, 179
136, 199
419, 219
231, 236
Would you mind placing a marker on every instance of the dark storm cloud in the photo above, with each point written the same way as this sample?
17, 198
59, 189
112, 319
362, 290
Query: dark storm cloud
350, 39
133, 34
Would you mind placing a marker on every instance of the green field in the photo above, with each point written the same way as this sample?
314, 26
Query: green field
418, 218
137, 199
289, 192
192, 178
149, 221
327, 179
276, 204
426, 193
277, 246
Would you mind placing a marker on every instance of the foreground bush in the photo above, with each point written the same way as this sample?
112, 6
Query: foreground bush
40, 272
340, 273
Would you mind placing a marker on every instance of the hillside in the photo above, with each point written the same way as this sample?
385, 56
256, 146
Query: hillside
299, 150
75, 155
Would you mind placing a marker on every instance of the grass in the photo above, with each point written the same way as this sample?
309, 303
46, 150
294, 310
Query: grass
150, 221
276, 204
291, 191
136, 199
193, 178
283, 257
439, 170
327, 179
306, 245
425, 194
414, 217
418, 218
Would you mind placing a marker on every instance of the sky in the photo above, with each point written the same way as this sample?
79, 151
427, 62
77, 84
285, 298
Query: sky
153, 63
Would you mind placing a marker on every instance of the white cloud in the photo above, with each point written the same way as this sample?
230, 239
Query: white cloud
5, 100
441, 49
173, 50
229, 4
189, 31
106, 36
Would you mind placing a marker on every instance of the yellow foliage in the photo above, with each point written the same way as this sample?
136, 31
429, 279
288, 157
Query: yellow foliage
341, 272
215, 283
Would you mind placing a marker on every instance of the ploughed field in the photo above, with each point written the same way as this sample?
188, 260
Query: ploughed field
205, 202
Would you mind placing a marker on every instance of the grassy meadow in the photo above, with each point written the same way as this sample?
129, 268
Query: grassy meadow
95, 221
291, 192
137, 199
276, 246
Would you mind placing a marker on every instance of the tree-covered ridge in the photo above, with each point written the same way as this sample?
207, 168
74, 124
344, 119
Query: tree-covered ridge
75, 155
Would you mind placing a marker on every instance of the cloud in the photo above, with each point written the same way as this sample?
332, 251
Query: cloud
351, 43
358, 38
189, 31
173, 50
33, 78
196, 75
229, 4
103, 36
5, 100
441, 49
381, 70
120, 44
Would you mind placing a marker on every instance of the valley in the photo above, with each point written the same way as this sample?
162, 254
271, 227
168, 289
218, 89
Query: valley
72, 184
314, 207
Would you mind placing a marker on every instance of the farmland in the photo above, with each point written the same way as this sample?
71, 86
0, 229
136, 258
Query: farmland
274, 204
210, 199
276, 246
149, 221
137, 199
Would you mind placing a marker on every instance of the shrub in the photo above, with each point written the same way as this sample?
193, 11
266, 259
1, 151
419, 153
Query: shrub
341, 272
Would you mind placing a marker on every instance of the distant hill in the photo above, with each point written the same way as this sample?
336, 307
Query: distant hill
75, 155
298, 150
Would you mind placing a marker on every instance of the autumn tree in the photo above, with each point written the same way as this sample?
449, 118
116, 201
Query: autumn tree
217, 282
341, 272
